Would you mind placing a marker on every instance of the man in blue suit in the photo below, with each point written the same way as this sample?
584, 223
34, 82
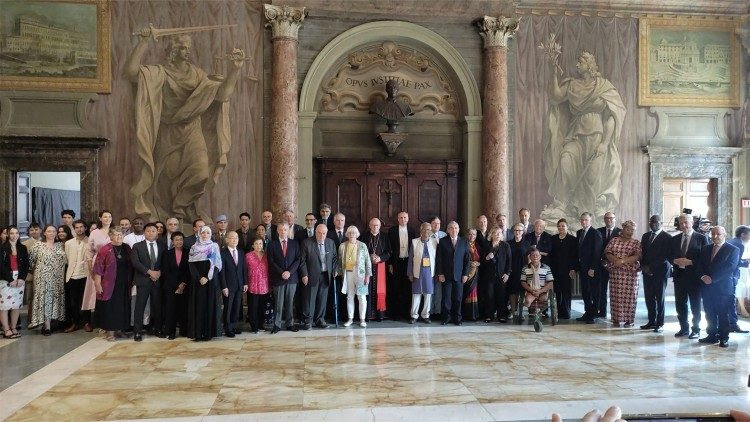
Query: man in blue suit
684, 254
589, 256
741, 236
656, 269
716, 266
284, 259
233, 278
452, 269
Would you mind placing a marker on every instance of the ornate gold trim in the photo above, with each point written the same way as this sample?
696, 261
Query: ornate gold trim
646, 98
103, 81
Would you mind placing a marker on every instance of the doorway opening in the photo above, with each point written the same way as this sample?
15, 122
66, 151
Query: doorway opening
698, 195
41, 196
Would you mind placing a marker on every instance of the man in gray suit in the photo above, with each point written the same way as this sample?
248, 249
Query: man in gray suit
146, 259
318, 269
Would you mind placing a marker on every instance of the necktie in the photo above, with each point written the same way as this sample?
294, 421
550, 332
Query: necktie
583, 235
341, 236
309, 233
716, 249
322, 254
651, 239
609, 234
454, 242
152, 254
283, 247
234, 256
685, 241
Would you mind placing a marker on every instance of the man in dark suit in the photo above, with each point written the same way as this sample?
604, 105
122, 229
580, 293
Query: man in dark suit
175, 280
524, 216
607, 232
233, 278
324, 216
483, 232
656, 270
291, 220
589, 264
283, 264
398, 286
190, 240
452, 270
318, 269
741, 236
338, 235
146, 258
501, 221
308, 230
717, 263
684, 253
245, 233
266, 218
541, 240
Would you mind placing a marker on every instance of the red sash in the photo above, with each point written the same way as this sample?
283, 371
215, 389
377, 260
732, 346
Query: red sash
380, 273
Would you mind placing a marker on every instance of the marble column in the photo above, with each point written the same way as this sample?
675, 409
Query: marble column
284, 22
495, 31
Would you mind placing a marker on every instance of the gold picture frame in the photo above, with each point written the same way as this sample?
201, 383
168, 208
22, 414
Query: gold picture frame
49, 46
688, 62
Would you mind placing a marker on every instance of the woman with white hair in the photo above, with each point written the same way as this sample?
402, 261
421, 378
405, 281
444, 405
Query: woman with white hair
204, 313
355, 265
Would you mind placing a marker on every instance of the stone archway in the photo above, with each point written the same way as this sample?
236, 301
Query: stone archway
404, 33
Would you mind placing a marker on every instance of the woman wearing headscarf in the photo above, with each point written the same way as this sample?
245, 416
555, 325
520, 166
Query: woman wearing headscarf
623, 253
204, 312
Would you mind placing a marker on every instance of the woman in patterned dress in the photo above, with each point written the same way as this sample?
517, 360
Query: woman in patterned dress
471, 306
48, 262
623, 254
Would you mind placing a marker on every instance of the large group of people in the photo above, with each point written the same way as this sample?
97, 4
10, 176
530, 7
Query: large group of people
137, 278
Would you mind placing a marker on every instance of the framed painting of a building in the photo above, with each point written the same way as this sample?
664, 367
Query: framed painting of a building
688, 62
55, 45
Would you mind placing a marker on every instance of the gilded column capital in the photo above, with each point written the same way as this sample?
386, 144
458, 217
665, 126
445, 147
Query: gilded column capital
284, 20
496, 31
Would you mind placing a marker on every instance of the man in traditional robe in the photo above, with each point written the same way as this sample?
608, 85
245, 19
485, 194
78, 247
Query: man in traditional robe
379, 248
182, 129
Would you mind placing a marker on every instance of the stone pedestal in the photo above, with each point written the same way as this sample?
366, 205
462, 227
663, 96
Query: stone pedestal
391, 141
284, 22
495, 165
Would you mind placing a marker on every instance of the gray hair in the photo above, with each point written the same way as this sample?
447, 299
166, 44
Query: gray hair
352, 229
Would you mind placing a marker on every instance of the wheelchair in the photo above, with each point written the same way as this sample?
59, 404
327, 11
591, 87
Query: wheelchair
536, 309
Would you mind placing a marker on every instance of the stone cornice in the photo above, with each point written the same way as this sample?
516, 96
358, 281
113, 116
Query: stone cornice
496, 31
284, 20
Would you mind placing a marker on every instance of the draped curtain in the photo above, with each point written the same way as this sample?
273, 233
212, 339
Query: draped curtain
48, 203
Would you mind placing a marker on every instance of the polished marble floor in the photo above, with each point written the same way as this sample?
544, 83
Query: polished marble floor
473, 372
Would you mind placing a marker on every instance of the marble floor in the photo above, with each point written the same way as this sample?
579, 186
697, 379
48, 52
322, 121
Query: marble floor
474, 372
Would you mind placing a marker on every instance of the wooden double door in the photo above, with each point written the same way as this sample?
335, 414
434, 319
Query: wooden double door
362, 189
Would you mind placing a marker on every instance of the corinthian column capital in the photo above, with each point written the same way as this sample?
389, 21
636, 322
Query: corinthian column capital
496, 31
284, 20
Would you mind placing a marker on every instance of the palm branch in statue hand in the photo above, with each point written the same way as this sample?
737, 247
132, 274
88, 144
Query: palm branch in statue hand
552, 51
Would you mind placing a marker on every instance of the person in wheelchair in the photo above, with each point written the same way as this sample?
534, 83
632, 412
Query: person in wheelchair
537, 280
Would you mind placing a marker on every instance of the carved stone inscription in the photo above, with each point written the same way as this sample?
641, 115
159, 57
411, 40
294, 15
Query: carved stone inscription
361, 81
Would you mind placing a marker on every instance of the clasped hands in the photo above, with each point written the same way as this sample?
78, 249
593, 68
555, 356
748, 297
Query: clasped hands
153, 275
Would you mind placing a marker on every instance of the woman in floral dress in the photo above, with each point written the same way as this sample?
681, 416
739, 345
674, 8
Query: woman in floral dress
48, 262
623, 253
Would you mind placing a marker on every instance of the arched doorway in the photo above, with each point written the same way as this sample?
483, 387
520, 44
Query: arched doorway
335, 127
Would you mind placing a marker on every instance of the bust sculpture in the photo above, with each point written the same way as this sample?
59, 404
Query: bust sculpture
391, 109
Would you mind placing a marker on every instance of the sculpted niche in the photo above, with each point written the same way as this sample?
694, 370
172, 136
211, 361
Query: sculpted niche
582, 129
182, 128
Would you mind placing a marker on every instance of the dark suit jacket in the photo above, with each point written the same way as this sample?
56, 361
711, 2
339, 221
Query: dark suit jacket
482, 239
22, 258
141, 261
328, 223
603, 232
697, 241
656, 254
743, 263
310, 266
452, 262
233, 276
396, 243
189, 242
271, 233
721, 269
301, 235
589, 250
493, 269
544, 245
381, 248
245, 245
173, 274
335, 237
278, 263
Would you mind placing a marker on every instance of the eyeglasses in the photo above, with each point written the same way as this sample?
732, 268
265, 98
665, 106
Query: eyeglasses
517, 230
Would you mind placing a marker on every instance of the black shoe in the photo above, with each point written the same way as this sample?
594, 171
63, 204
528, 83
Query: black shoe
237, 331
709, 340
254, 331
694, 334
321, 325
457, 323
737, 329
412, 320
648, 326
307, 327
602, 315
292, 329
681, 333
275, 329
591, 321
724, 343
230, 334
171, 337
658, 329
502, 320
138, 337
159, 334
427, 321
582, 318
445, 322
46, 332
